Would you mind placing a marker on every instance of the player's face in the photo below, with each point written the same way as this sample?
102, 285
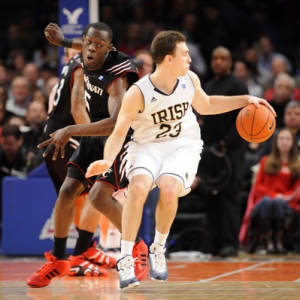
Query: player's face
285, 141
95, 47
181, 59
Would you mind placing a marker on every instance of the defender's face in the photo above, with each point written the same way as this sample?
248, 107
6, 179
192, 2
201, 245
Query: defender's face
95, 47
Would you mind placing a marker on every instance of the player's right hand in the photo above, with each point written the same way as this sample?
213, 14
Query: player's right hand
54, 34
58, 139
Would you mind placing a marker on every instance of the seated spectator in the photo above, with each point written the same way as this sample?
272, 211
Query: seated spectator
3, 76
3, 94
266, 54
244, 70
279, 67
19, 121
292, 121
12, 153
36, 118
47, 70
133, 39
32, 73
263, 76
275, 191
2, 117
21, 97
283, 91
144, 62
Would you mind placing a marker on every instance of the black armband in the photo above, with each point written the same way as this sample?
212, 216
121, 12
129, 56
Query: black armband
67, 43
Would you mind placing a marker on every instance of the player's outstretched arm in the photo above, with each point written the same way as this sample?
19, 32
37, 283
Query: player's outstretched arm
132, 104
211, 105
56, 37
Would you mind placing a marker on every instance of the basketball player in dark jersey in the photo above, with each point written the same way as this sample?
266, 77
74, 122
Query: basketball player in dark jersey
107, 75
67, 107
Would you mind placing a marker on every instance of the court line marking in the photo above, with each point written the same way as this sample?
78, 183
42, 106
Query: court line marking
238, 271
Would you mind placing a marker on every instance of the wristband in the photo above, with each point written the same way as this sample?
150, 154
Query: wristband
67, 43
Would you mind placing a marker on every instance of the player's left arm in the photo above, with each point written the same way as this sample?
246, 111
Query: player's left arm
132, 104
212, 105
103, 127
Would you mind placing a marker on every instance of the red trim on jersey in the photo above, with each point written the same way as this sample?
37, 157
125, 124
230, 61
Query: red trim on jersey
72, 163
130, 71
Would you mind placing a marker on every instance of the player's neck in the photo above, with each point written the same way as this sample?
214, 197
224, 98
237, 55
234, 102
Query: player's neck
163, 82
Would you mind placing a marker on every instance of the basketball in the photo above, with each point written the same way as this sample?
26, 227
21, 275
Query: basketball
255, 124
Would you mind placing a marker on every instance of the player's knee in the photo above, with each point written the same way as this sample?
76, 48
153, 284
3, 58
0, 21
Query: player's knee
139, 187
68, 195
98, 201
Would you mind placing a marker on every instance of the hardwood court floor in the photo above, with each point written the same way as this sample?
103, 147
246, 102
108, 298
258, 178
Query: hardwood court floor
247, 277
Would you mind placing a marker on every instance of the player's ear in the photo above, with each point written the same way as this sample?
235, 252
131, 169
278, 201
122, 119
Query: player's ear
168, 58
110, 47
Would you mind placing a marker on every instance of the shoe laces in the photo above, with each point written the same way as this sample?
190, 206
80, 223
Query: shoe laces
159, 258
48, 266
127, 269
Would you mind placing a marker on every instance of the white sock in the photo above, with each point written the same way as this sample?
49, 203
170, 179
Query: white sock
113, 238
160, 238
126, 248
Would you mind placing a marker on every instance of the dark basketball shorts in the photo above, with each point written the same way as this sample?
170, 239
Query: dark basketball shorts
90, 150
57, 169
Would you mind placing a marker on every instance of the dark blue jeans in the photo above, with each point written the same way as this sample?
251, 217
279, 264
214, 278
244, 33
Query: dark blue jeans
268, 208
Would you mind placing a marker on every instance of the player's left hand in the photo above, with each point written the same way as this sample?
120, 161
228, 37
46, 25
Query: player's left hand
257, 101
97, 167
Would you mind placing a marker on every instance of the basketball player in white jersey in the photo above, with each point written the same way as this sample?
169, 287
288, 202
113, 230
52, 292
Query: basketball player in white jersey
166, 147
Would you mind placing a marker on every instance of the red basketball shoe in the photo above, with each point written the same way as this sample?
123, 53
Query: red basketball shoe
53, 268
140, 255
95, 255
81, 266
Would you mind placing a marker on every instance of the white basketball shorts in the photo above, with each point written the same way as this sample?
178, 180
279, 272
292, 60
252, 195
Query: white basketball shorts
176, 158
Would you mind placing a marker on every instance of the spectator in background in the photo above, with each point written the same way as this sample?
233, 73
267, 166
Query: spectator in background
31, 72
35, 118
190, 30
291, 120
50, 84
12, 153
39, 95
219, 132
19, 121
244, 70
263, 76
47, 70
283, 92
132, 40
21, 97
266, 54
2, 117
275, 191
144, 62
3, 94
3, 76
19, 62
13, 43
278, 67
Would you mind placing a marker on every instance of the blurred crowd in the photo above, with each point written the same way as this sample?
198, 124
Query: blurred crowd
261, 35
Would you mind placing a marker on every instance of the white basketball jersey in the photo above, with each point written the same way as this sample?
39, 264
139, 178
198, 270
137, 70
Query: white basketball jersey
166, 117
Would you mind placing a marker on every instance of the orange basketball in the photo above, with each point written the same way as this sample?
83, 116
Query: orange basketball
255, 124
